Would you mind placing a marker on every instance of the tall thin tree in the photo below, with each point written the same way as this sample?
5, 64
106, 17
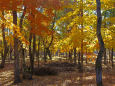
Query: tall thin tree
16, 53
5, 52
101, 44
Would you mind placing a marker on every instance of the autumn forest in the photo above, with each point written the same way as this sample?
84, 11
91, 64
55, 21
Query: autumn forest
57, 42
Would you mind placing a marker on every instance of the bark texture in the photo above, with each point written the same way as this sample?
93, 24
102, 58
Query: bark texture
101, 44
16, 53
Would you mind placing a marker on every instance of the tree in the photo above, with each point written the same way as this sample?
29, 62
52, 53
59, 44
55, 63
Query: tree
4, 53
16, 54
101, 44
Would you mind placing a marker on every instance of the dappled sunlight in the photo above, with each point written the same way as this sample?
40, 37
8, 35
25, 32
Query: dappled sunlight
65, 78
57, 42
6, 78
89, 77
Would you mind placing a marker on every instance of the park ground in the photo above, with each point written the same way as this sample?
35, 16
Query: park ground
68, 75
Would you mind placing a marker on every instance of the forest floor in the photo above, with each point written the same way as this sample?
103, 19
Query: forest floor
68, 77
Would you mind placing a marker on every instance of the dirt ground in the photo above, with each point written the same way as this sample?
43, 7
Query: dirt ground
65, 78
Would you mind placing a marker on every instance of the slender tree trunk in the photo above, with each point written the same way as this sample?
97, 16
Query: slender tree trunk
22, 56
82, 52
33, 53
23, 63
70, 56
81, 14
109, 55
105, 57
86, 56
22, 18
38, 53
30, 53
101, 44
79, 63
48, 53
45, 53
16, 53
78, 58
66, 55
10, 52
74, 55
47, 50
112, 57
45, 56
5, 51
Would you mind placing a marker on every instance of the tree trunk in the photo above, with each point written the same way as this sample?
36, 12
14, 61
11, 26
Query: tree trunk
33, 53
38, 53
112, 57
86, 56
101, 44
48, 53
22, 17
23, 63
80, 67
5, 50
70, 56
81, 56
10, 52
66, 55
109, 55
16, 53
45, 57
81, 14
78, 58
30, 52
22, 56
45, 53
105, 57
74, 55
47, 50
5, 47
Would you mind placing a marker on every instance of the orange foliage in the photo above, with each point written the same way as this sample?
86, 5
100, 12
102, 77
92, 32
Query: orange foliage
91, 56
10, 4
38, 21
